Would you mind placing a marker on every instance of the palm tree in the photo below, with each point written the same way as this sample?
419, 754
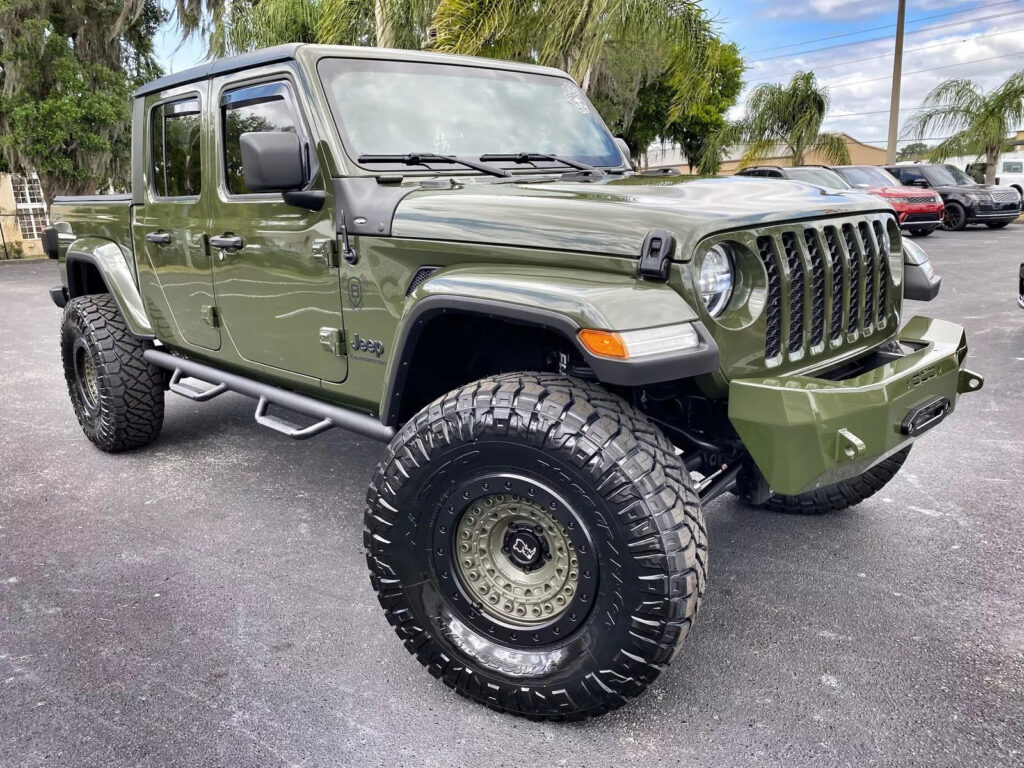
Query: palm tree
781, 117
675, 36
979, 122
574, 34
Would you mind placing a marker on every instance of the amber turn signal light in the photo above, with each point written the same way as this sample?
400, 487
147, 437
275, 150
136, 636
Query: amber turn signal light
604, 343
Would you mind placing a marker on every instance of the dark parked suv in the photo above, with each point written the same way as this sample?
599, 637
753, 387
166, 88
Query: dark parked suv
967, 202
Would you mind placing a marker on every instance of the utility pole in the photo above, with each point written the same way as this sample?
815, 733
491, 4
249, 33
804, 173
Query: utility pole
897, 76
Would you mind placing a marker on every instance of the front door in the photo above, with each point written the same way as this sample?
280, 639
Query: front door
169, 229
278, 292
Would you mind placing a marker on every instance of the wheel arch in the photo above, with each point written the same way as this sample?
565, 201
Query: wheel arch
95, 265
560, 304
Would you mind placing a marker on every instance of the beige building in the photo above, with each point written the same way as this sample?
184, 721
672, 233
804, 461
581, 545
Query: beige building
860, 154
22, 216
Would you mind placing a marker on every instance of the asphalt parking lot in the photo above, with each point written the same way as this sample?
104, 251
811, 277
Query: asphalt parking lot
205, 601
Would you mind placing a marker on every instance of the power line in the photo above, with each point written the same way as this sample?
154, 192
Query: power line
888, 55
887, 37
929, 69
876, 29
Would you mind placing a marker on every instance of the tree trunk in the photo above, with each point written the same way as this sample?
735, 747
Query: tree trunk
991, 160
55, 184
384, 34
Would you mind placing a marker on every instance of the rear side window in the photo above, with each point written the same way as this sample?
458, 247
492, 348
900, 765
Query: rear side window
908, 175
1013, 166
254, 109
175, 142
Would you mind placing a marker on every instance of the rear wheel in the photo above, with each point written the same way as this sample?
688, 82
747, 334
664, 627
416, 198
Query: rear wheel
833, 498
117, 395
537, 545
954, 217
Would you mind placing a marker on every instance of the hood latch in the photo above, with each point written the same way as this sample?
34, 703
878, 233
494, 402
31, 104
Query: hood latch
656, 255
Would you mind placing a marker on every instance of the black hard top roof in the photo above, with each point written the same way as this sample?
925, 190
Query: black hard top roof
208, 69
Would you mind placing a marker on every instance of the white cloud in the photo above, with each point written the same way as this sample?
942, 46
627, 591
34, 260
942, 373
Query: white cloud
985, 52
834, 10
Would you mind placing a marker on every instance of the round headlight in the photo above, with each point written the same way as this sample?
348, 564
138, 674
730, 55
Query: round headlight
716, 279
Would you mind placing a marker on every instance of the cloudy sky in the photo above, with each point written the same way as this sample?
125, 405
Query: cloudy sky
849, 46
847, 43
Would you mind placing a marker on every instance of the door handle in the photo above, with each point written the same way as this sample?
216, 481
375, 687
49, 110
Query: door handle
227, 242
159, 237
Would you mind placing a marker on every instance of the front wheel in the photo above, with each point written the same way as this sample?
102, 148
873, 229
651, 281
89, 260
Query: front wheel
537, 545
996, 224
954, 217
921, 232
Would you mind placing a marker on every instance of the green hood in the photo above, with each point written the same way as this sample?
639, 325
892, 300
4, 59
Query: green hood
612, 216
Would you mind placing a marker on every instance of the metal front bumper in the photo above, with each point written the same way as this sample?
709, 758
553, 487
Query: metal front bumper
805, 432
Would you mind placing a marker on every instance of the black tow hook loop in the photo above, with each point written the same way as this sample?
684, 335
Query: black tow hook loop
656, 255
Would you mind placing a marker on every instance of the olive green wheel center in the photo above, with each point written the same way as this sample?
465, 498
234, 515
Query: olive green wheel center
515, 560
86, 370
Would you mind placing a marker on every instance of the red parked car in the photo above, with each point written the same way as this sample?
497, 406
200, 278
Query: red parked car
919, 210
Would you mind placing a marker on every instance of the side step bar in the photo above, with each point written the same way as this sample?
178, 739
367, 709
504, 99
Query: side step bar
329, 415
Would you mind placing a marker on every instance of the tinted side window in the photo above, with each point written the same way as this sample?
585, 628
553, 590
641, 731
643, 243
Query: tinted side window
908, 175
255, 109
175, 146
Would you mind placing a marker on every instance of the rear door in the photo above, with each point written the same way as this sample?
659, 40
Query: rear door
169, 228
279, 293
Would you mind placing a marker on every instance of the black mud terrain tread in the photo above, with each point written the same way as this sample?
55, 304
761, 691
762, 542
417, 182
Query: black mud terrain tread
131, 390
630, 460
833, 498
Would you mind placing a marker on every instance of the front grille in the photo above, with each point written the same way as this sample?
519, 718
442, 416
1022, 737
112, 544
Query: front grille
832, 283
1005, 196
913, 218
795, 266
920, 200
817, 287
773, 305
868, 250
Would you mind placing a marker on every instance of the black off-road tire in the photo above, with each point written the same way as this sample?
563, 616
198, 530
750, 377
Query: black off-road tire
955, 217
632, 497
117, 395
921, 232
833, 498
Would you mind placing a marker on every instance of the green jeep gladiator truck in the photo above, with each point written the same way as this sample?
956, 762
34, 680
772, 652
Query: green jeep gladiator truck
566, 359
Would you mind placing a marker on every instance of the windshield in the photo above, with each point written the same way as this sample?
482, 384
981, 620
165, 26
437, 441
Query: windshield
397, 108
946, 175
822, 177
866, 176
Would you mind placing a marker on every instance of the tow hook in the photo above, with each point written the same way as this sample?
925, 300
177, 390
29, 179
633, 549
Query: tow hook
969, 381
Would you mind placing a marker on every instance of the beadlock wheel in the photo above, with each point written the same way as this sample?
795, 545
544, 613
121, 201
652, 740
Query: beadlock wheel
525, 566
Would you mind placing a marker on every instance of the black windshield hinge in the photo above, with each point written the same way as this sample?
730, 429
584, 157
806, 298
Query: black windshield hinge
656, 255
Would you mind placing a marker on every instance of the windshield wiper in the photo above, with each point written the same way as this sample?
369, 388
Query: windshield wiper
532, 157
423, 158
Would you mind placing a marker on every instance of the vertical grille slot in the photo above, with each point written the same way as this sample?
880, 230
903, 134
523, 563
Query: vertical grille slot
796, 292
870, 252
838, 275
817, 287
853, 316
773, 309
883, 273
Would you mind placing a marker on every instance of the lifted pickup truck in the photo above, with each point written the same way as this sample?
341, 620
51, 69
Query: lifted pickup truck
565, 358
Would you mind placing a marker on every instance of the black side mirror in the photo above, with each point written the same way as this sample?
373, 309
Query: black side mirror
272, 162
919, 182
